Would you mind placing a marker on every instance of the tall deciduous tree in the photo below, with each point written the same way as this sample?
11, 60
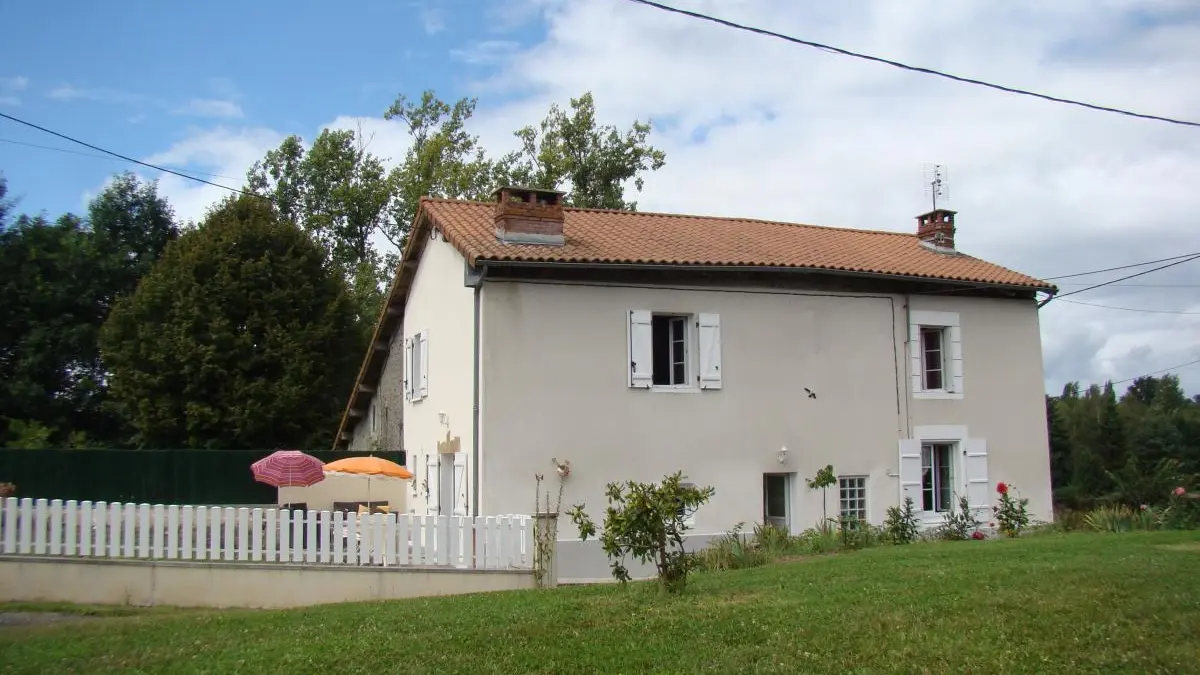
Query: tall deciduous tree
592, 163
131, 225
242, 335
49, 276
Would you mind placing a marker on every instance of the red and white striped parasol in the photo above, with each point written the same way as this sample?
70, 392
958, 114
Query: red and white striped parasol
288, 468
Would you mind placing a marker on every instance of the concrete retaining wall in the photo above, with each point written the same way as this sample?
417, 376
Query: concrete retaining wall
230, 584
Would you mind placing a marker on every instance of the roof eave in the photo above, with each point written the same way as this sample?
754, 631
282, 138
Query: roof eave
1042, 286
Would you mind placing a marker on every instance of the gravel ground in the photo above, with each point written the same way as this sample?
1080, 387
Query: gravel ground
37, 618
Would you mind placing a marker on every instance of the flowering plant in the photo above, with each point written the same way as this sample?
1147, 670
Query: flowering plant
1012, 514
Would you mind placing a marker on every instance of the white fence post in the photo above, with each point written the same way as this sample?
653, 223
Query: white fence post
256, 534
11, 506
55, 522
229, 539
243, 533
85, 528
326, 529
310, 546
173, 531
40, 510
188, 529
158, 531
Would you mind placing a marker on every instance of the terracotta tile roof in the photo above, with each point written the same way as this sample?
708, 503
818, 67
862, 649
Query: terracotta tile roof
598, 236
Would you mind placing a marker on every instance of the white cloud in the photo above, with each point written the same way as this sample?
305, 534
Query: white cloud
10, 101
485, 52
14, 83
224, 154
432, 20
754, 126
210, 107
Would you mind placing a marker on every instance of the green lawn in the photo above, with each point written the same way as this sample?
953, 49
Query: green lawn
1074, 603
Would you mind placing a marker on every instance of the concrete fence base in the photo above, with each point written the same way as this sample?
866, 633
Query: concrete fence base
231, 584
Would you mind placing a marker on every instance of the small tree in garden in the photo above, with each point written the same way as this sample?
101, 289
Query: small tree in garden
647, 521
821, 481
1011, 514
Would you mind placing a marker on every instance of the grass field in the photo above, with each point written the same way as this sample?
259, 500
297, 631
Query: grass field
1078, 603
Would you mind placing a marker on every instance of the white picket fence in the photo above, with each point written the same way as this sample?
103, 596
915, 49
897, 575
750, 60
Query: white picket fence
158, 532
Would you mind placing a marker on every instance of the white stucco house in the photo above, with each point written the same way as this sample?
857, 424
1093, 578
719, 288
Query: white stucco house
747, 354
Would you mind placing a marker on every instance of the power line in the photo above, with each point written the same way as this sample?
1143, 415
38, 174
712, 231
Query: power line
917, 69
96, 155
1109, 283
1139, 285
126, 158
1128, 309
1157, 372
1122, 267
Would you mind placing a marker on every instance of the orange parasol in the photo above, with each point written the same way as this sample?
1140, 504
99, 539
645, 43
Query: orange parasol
369, 466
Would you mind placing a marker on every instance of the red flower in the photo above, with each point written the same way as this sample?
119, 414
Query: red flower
977, 535
1002, 487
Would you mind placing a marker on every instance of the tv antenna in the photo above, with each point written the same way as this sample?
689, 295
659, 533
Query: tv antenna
937, 183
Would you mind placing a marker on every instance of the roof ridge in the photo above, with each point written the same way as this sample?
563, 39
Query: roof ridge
693, 216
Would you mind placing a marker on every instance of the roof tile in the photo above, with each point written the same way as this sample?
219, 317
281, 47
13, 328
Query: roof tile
630, 237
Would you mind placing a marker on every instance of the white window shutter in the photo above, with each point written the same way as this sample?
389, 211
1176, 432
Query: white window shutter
975, 467
460, 484
423, 385
955, 361
430, 484
910, 471
641, 349
710, 351
409, 372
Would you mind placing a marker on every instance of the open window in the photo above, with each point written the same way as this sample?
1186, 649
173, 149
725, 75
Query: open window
674, 351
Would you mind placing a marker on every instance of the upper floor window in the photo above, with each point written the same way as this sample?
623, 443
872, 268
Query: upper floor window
935, 350
674, 351
416, 366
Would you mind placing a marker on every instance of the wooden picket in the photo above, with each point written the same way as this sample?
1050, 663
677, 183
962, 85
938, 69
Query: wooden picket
226, 534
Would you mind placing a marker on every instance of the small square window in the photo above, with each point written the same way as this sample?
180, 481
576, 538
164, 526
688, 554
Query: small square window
852, 496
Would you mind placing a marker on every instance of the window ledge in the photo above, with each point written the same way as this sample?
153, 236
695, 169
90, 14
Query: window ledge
938, 394
675, 390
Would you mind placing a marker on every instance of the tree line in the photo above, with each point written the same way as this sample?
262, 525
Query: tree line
1132, 450
124, 327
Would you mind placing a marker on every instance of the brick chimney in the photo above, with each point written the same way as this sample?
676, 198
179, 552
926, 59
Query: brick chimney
528, 216
936, 229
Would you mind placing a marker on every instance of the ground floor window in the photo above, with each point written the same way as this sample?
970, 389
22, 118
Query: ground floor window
937, 476
852, 497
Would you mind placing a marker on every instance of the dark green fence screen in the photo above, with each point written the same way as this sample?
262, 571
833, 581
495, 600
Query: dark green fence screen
150, 476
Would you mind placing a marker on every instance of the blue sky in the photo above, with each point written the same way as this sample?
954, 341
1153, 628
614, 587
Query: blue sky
752, 127
136, 77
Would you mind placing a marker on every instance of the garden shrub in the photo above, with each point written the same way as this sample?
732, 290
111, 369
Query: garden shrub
1011, 514
647, 521
902, 525
959, 523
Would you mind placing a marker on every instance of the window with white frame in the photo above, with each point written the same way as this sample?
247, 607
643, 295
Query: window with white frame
669, 335
933, 357
937, 476
416, 364
852, 497
935, 350
674, 351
